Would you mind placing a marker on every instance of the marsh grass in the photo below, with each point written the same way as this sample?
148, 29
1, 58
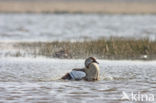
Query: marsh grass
113, 48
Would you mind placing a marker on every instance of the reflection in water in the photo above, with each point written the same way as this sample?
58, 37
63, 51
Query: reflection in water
30, 80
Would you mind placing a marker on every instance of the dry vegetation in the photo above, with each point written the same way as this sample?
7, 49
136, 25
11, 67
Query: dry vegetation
77, 7
104, 49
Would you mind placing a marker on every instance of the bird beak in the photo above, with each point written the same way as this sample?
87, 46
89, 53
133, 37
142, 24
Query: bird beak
96, 62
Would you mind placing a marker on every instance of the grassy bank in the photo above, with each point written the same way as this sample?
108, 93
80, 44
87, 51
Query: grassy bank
103, 49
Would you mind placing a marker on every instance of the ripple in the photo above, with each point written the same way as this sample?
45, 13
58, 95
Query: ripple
23, 86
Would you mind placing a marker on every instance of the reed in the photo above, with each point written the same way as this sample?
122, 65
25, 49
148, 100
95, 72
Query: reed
114, 48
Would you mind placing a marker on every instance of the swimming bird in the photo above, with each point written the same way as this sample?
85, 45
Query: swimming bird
90, 72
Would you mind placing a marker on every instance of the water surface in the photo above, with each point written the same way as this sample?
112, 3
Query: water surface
27, 80
50, 27
36, 80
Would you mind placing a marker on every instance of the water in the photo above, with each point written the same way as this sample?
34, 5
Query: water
50, 27
28, 80
36, 80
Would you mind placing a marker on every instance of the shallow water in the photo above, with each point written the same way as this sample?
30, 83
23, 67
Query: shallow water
45, 27
29, 80
36, 80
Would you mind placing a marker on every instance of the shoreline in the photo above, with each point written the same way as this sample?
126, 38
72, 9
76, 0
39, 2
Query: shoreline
78, 7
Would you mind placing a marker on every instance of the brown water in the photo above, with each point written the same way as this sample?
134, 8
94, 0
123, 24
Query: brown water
29, 80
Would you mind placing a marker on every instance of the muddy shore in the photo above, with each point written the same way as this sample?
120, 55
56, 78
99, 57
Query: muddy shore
64, 6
